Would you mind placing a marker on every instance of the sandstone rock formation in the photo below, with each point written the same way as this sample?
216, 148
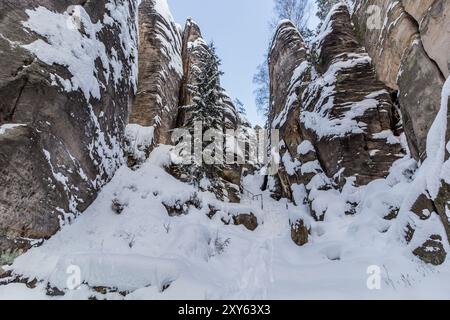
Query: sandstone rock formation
337, 122
407, 41
160, 74
299, 233
65, 89
432, 251
342, 107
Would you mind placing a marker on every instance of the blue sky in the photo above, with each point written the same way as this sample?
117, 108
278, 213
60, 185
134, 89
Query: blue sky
240, 32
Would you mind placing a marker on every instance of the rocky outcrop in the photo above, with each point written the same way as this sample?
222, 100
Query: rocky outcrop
408, 44
249, 221
160, 74
342, 107
337, 121
432, 251
408, 41
168, 59
65, 89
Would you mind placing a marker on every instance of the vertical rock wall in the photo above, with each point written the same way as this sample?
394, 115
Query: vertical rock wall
335, 117
408, 42
67, 75
160, 73
338, 123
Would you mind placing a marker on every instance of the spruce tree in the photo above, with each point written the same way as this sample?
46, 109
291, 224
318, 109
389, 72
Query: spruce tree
240, 106
324, 7
207, 105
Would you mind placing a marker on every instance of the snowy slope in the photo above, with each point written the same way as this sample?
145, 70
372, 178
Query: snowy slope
143, 253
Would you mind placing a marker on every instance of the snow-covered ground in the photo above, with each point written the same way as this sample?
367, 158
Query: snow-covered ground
149, 255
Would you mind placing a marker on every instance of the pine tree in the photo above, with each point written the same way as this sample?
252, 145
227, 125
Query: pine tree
324, 7
240, 106
207, 105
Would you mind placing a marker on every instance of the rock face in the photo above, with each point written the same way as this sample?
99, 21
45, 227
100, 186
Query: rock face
408, 43
65, 89
359, 134
249, 221
192, 38
337, 122
160, 71
343, 106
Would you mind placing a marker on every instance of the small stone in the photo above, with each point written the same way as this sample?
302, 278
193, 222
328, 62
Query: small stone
117, 206
423, 207
393, 213
299, 233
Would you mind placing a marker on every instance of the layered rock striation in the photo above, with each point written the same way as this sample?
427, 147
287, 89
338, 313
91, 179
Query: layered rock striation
360, 97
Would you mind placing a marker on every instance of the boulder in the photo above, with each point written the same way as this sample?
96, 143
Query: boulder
432, 251
248, 220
